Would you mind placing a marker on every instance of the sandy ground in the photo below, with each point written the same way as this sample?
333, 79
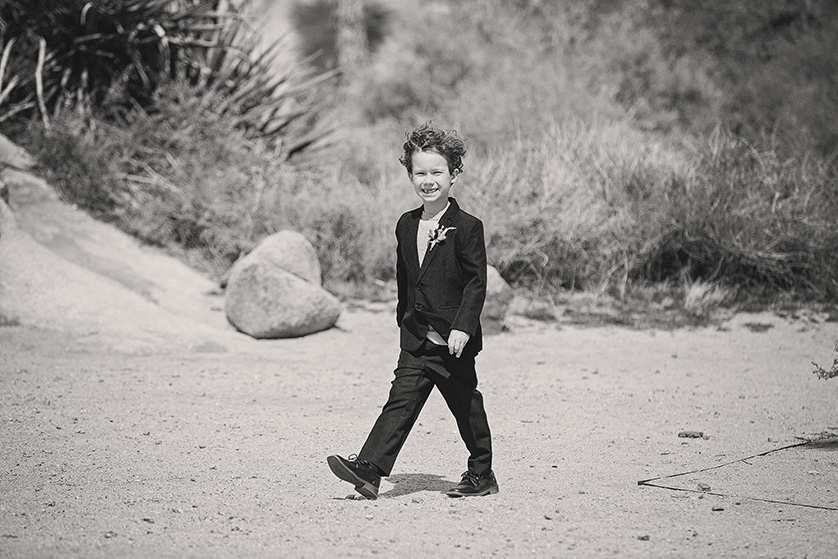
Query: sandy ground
134, 422
218, 449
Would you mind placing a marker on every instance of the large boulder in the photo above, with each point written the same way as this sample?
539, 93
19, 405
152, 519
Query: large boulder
41, 289
498, 299
61, 270
101, 248
275, 291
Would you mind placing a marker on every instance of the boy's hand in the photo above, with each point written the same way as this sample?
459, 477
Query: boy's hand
457, 341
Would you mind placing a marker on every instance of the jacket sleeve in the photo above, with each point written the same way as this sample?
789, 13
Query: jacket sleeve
401, 280
472, 257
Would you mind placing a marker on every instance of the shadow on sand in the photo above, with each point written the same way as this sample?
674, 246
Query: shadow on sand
405, 484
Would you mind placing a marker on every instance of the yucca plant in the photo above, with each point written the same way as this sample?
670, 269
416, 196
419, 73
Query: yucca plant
63, 55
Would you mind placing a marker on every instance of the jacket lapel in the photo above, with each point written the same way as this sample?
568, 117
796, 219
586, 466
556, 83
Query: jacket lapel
411, 250
444, 221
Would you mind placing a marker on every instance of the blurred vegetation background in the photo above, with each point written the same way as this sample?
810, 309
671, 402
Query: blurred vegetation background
637, 149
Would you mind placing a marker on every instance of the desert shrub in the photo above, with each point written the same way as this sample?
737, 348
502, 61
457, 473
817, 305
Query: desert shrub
559, 210
352, 245
80, 163
748, 218
184, 177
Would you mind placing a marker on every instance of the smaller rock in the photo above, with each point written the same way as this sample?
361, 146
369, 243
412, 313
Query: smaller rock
540, 310
691, 434
498, 299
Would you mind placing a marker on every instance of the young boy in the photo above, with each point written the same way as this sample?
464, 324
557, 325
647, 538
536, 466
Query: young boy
441, 277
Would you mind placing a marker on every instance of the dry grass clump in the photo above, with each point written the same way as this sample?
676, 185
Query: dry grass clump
598, 205
562, 211
701, 298
750, 218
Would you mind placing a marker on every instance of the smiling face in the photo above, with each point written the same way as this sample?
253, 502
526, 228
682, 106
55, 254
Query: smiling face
431, 179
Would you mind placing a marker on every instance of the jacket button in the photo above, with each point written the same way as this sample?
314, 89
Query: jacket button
418, 306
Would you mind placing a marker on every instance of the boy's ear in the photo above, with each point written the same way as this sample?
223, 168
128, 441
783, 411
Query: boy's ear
454, 175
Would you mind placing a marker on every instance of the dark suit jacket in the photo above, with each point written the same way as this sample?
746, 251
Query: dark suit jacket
449, 289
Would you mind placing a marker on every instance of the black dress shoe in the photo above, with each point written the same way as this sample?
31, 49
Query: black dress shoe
360, 473
473, 485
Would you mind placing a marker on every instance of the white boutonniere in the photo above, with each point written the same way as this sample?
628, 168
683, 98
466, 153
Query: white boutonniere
437, 235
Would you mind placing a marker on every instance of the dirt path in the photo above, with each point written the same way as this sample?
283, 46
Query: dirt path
219, 450
135, 423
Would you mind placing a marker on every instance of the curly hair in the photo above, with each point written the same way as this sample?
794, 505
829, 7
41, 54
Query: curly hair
428, 137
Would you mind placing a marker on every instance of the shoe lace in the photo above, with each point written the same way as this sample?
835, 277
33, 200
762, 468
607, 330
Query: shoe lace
471, 478
354, 458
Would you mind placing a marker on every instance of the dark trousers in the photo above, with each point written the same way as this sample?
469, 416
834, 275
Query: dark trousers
416, 375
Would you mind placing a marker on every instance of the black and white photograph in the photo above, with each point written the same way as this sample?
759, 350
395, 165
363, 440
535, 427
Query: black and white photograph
422, 279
